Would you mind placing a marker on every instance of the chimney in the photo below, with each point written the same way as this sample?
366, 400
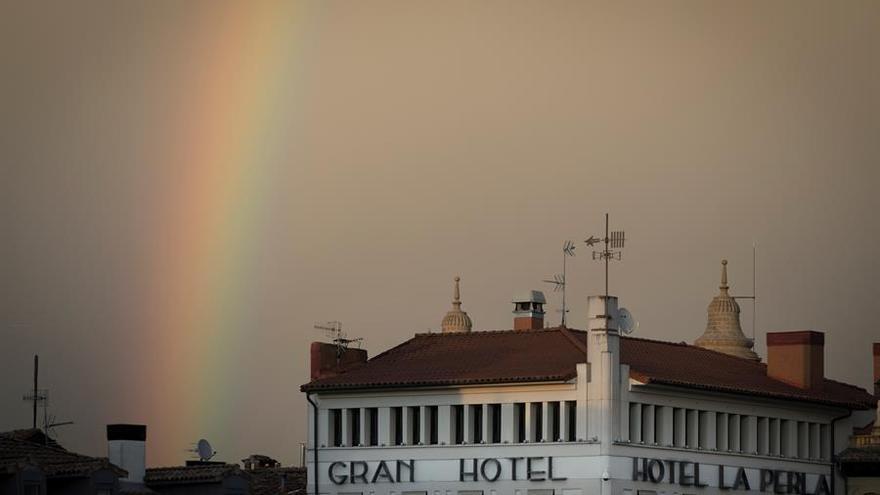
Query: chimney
330, 360
877, 369
126, 448
796, 358
528, 311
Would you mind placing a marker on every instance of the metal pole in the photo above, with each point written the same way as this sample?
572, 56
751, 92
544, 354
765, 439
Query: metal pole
607, 255
36, 374
564, 283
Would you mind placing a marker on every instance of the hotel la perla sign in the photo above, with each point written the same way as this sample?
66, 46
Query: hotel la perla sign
542, 469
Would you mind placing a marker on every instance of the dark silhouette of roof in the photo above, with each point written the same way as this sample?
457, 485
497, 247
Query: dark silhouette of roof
17, 451
511, 356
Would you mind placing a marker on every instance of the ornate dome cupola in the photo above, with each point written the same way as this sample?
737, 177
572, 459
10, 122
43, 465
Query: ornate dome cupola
456, 320
723, 330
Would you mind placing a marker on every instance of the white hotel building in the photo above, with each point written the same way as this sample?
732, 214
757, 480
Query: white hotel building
541, 411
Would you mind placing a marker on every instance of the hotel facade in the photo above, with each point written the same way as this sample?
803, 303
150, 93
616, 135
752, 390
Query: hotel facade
560, 411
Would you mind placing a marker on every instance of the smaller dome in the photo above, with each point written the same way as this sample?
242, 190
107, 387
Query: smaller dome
723, 330
456, 320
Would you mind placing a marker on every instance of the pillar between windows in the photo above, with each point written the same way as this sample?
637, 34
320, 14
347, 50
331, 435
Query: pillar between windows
487, 423
508, 423
363, 429
385, 426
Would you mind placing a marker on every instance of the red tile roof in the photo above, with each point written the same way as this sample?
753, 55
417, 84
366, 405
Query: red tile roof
177, 475
551, 355
53, 461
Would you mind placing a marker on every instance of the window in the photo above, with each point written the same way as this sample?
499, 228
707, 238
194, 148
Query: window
415, 424
31, 488
519, 415
477, 423
372, 425
572, 420
397, 425
537, 421
495, 416
336, 427
355, 426
458, 424
433, 424
554, 422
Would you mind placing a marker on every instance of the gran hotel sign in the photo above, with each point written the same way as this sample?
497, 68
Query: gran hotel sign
682, 473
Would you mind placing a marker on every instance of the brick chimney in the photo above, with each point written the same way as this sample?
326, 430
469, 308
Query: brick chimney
877, 369
528, 311
324, 360
796, 358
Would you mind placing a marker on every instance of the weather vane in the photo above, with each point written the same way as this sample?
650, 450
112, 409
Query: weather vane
559, 280
613, 243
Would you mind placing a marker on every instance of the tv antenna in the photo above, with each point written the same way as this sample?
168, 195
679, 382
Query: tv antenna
333, 329
38, 396
559, 280
40, 399
754, 296
613, 241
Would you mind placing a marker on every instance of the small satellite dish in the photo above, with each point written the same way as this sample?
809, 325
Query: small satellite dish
626, 323
204, 450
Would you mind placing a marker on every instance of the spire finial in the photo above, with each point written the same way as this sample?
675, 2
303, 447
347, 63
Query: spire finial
724, 286
456, 320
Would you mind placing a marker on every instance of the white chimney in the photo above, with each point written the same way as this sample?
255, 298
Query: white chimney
126, 448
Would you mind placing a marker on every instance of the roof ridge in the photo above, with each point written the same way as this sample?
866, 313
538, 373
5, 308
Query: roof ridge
486, 332
698, 348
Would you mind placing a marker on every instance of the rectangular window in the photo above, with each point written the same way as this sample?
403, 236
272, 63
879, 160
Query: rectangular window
397, 423
803, 440
336, 427
785, 438
538, 421
519, 413
477, 422
415, 425
763, 435
733, 435
572, 420
355, 426
554, 422
648, 424
495, 415
774, 437
693, 429
678, 433
458, 423
373, 425
433, 424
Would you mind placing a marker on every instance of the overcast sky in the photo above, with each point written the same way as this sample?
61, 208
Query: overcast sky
187, 187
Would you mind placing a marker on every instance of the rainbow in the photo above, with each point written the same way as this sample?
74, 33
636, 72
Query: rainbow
229, 136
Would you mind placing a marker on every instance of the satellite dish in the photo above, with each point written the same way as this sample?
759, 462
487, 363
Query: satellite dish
626, 322
204, 450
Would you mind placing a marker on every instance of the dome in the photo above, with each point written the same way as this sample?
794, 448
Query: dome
723, 330
456, 320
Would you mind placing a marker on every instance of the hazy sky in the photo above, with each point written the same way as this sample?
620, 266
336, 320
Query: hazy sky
187, 187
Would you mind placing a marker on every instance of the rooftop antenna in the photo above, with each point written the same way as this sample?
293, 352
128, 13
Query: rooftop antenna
38, 396
754, 296
613, 240
333, 330
559, 280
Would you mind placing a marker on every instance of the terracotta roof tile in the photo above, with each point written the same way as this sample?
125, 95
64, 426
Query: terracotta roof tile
53, 461
191, 474
552, 354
